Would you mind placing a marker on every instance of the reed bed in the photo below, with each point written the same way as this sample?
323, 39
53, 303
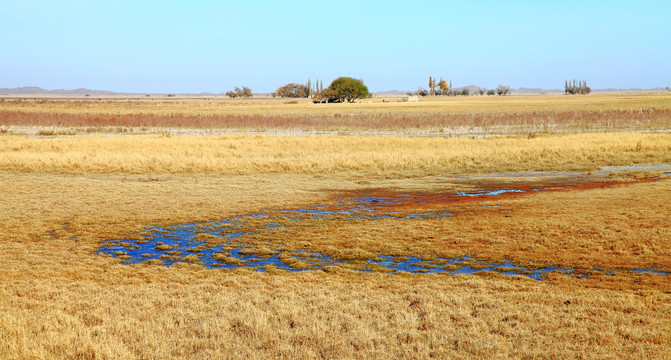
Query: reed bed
486, 122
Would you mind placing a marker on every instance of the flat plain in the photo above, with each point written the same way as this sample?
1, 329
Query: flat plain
579, 184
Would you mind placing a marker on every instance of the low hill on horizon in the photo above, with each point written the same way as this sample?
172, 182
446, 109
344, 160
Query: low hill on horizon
35, 90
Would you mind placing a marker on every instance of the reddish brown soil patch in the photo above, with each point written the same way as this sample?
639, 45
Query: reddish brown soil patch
385, 200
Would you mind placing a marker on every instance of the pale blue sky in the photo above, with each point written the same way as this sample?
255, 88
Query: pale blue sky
194, 46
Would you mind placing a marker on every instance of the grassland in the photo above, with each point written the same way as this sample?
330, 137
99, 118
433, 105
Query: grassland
62, 196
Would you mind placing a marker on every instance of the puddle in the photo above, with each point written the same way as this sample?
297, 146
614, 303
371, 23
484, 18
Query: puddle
652, 271
491, 193
462, 265
220, 244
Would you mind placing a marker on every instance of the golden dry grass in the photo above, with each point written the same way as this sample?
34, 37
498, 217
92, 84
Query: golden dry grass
191, 313
333, 156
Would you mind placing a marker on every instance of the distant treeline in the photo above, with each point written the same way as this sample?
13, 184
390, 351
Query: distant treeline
345, 89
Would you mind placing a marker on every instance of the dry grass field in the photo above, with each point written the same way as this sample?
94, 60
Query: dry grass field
63, 196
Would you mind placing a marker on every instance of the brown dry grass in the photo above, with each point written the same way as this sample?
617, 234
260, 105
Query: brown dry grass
484, 123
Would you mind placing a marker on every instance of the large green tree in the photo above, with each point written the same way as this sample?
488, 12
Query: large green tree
345, 89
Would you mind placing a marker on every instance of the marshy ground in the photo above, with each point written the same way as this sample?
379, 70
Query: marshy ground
363, 202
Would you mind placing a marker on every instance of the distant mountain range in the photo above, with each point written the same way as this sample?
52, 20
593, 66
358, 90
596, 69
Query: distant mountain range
34, 90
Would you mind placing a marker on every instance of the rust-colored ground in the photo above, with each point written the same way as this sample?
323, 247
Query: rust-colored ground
591, 226
386, 200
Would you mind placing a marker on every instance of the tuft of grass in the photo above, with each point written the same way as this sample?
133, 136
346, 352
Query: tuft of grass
193, 258
225, 258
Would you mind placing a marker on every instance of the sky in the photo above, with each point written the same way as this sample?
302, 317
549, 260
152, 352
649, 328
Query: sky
213, 46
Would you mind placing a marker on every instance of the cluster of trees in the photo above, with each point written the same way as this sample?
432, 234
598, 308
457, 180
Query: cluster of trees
347, 89
294, 90
442, 85
444, 88
342, 89
245, 92
580, 89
